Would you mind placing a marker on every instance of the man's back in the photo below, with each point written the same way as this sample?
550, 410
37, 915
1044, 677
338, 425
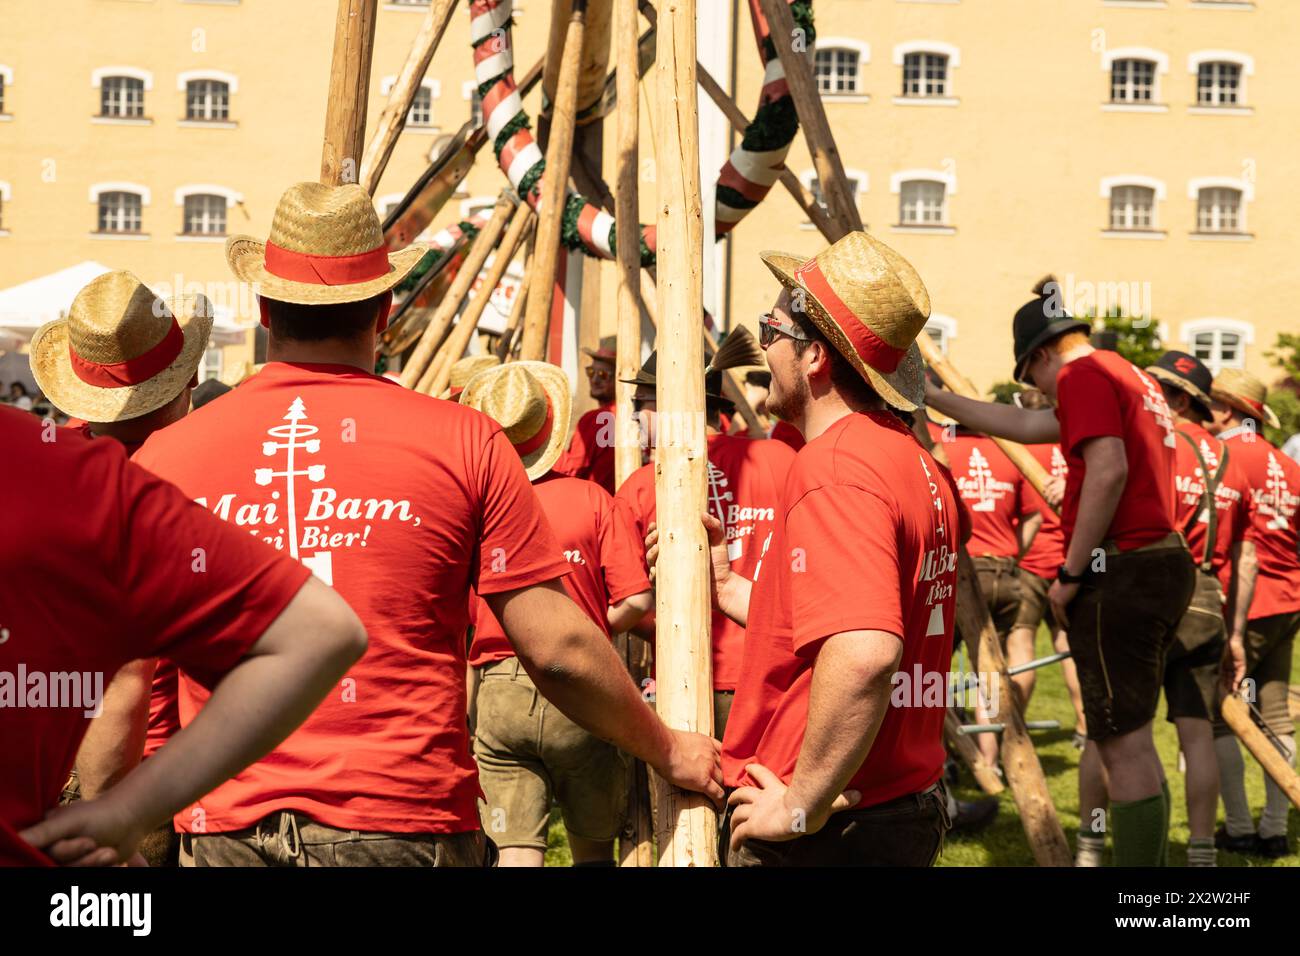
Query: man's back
401, 502
994, 492
867, 541
1274, 481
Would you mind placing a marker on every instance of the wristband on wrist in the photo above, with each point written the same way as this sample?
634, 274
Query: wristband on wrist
1065, 577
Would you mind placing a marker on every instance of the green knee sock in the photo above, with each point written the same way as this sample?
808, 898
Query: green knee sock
1164, 831
1138, 831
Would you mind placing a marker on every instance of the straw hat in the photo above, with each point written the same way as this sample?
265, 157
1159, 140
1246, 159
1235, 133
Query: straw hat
531, 402
326, 246
122, 352
462, 370
1238, 389
871, 304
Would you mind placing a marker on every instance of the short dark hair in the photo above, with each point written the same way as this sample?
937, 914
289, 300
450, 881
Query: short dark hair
1195, 410
316, 323
846, 379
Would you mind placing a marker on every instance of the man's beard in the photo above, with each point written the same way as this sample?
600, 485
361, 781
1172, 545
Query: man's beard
789, 406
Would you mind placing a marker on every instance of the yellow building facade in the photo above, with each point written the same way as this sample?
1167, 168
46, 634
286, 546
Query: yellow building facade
1143, 151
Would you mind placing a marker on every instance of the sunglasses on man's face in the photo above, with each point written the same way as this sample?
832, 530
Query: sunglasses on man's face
769, 327
598, 372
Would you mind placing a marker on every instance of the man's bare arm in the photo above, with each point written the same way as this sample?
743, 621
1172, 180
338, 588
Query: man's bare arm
575, 667
260, 701
1027, 426
1241, 592
114, 741
846, 706
1028, 530
624, 615
1104, 479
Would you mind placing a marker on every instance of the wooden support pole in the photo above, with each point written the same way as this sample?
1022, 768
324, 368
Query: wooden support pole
349, 89
520, 223
842, 209
965, 749
1019, 759
393, 118
555, 184
687, 821
440, 321
505, 345
636, 846
958, 384
595, 53
1237, 716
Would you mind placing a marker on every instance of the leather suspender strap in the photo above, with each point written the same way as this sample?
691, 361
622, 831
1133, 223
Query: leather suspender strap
1208, 505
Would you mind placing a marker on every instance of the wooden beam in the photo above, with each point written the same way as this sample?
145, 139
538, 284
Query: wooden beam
520, 224
842, 208
958, 384
393, 118
555, 184
417, 365
684, 698
505, 345
349, 89
1019, 759
1237, 716
964, 748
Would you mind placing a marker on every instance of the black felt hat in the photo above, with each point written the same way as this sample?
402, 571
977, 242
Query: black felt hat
1039, 321
1187, 373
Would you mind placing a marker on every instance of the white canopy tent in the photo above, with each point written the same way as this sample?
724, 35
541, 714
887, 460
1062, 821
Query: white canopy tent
25, 307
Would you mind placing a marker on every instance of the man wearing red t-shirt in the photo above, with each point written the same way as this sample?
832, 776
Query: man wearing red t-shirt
126, 568
591, 452
834, 746
1003, 520
1265, 611
402, 503
1210, 506
745, 478
1127, 577
528, 753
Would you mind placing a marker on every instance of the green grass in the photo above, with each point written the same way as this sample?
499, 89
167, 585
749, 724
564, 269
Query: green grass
1003, 843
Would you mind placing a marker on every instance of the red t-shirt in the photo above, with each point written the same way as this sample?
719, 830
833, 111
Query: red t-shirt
1232, 514
1105, 395
604, 555
866, 538
785, 432
591, 452
745, 478
164, 708
107, 575
994, 492
1274, 481
1046, 553
402, 502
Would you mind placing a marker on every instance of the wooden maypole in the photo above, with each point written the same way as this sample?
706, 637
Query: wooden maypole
349, 89
636, 843
555, 185
687, 822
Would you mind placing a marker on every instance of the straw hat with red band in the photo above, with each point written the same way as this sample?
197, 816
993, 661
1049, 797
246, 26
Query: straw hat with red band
1238, 389
122, 352
530, 400
462, 370
870, 303
326, 246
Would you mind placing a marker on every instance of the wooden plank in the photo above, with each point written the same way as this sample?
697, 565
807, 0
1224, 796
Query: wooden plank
349, 88
842, 208
417, 365
393, 119
555, 184
964, 748
684, 682
1237, 716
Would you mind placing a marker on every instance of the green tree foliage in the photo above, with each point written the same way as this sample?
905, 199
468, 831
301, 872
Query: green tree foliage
1004, 392
1284, 399
1137, 338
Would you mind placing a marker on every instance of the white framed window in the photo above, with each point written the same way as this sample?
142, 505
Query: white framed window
1220, 205
5, 193
923, 202
837, 65
923, 199
857, 182
927, 72
1133, 205
1135, 78
470, 207
385, 204
121, 97
120, 212
420, 115
942, 329
205, 215
211, 363
207, 95
1218, 342
1221, 78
